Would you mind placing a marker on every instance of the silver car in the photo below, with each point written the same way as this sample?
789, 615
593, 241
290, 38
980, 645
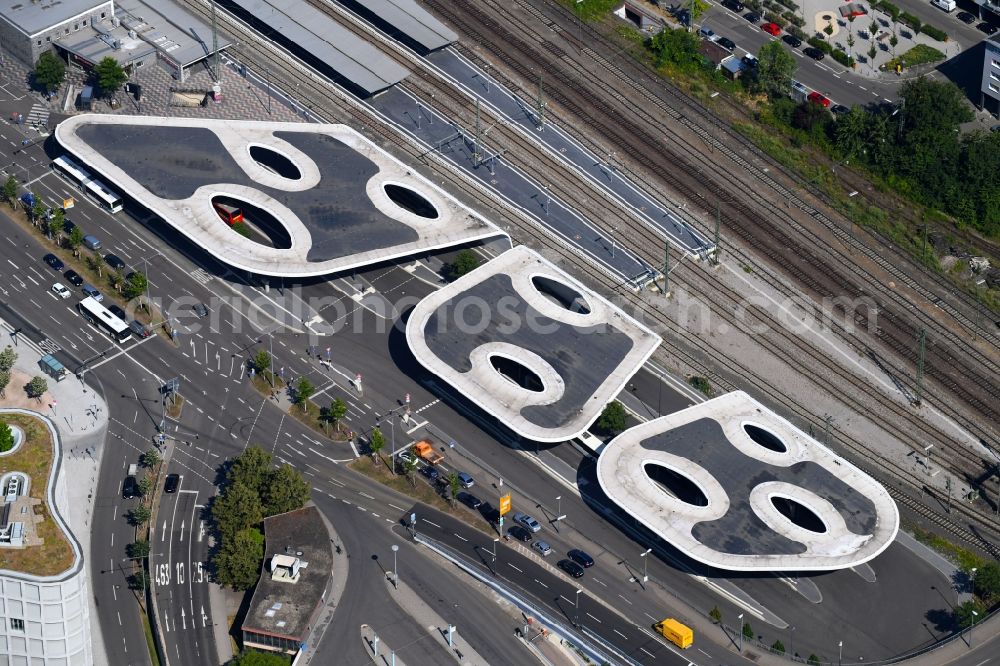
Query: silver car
542, 547
527, 521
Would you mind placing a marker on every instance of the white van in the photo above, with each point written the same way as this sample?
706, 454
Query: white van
947, 5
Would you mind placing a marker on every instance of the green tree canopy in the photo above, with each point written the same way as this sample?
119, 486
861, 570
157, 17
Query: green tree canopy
239, 559
286, 491
150, 458
75, 239
464, 262
251, 468
6, 437
376, 442
775, 68
8, 357
110, 76
337, 411
50, 71
613, 419
236, 508
10, 190
261, 361
139, 514
37, 387
4, 381
57, 223
969, 611
303, 391
987, 581
676, 47
138, 548
258, 659
135, 285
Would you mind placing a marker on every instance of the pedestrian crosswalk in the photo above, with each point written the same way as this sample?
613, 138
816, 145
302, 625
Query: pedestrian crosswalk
201, 276
38, 116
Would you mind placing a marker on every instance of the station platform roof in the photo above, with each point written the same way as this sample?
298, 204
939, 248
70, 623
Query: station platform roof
529, 344
758, 494
408, 20
351, 57
351, 205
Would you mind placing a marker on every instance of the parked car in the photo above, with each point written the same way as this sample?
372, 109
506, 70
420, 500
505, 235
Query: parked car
91, 290
139, 329
68, 226
430, 472
817, 98
707, 33
73, 278
465, 480
726, 43
750, 61
840, 109
733, 5
489, 512
92, 242
792, 41
130, 488
54, 261
527, 521
542, 547
519, 533
966, 18
114, 261
771, 29
171, 484
571, 567
470, 500
200, 309
581, 558
118, 312
60, 290
987, 28
752, 17
814, 53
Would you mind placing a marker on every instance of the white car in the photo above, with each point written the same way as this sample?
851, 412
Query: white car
60, 290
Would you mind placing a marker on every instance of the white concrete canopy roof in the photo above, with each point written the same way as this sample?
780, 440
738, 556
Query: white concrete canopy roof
522, 312
338, 213
746, 461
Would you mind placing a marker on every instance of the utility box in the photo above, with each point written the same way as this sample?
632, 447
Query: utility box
679, 634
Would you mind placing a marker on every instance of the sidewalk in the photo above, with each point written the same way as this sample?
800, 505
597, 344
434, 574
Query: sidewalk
81, 418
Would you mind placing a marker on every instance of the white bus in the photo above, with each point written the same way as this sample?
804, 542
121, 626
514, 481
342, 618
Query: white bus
102, 194
106, 198
102, 318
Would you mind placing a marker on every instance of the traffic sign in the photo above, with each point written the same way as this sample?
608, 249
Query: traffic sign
505, 504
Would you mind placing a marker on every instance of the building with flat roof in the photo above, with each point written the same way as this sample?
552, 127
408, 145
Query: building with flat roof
44, 609
406, 21
529, 344
30, 27
731, 484
320, 199
294, 583
990, 88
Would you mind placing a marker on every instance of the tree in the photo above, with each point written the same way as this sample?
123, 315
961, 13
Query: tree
6, 437
4, 381
135, 285
676, 47
813, 660
139, 580
139, 515
96, 262
850, 135
286, 491
50, 71
146, 483
775, 68
747, 630
258, 659
138, 548
37, 211
410, 466
968, 612
810, 117
10, 190
8, 357
778, 646
118, 280
613, 418
150, 458
872, 30
303, 391
236, 508
376, 442
454, 485
239, 559
75, 240
37, 387
251, 468
893, 41
261, 361
986, 581
850, 44
337, 411
715, 614
57, 224
110, 76
828, 29
464, 262
872, 51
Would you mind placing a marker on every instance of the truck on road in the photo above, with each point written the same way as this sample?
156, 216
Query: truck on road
426, 451
675, 632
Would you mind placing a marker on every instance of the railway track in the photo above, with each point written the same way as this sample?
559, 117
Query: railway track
322, 96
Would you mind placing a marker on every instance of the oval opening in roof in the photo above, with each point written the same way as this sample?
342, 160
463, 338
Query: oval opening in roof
799, 514
275, 162
561, 294
252, 222
675, 484
517, 373
410, 200
765, 438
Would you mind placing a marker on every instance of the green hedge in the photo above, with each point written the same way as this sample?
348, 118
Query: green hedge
889, 8
842, 58
774, 18
935, 33
912, 21
791, 5
820, 44
793, 19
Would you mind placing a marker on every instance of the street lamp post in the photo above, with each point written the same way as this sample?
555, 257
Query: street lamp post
495, 555
740, 618
791, 643
559, 513
645, 577
974, 616
576, 616
395, 569
840, 657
